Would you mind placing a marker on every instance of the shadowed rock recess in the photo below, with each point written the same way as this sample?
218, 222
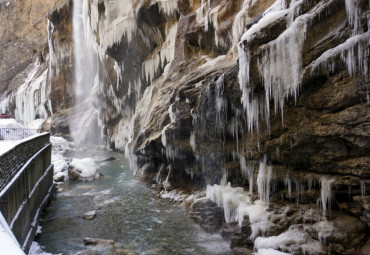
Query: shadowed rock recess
263, 104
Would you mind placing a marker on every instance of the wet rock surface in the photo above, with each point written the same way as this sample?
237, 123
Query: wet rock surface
104, 247
207, 214
191, 123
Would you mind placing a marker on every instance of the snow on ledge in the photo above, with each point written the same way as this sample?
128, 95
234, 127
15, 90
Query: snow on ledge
7, 145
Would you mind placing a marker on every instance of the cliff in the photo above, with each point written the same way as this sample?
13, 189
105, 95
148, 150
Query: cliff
271, 96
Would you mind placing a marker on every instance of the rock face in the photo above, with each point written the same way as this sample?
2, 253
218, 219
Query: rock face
271, 96
23, 37
24, 58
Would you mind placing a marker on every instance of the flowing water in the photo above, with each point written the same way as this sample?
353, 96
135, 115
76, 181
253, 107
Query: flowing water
128, 212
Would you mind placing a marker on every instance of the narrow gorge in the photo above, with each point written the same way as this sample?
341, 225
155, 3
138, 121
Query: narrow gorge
254, 114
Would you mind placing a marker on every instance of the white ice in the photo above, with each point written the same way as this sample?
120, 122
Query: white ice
87, 167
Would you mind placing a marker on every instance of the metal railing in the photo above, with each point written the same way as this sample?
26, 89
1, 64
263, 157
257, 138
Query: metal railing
17, 133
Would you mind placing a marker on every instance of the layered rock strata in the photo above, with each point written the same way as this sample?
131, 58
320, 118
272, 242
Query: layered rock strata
269, 96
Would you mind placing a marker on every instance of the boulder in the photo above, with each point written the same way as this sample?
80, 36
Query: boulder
89, 215
83, 169
207, 214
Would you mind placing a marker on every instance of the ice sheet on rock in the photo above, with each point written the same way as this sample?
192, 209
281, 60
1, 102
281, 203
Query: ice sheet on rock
60, 142
352, 53
237, 204
285, 50
119, 22
121, 135
30, 99
173, 195
87, 168
60, 165
162, 56
60, 176
292, 236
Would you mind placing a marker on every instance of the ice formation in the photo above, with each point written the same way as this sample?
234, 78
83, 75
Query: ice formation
229, 198
30, 98
287, 241
169, 7
270, 252
163, 55
237, 204
286, 50
352, 52
326, 193
264, 181
247, 172
352, 9
363, 188
119, 22
239, 26
86, 167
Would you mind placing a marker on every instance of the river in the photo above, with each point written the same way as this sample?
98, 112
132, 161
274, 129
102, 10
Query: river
128, 212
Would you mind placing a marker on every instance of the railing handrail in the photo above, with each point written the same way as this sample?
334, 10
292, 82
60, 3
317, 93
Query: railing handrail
17, 133
13, 160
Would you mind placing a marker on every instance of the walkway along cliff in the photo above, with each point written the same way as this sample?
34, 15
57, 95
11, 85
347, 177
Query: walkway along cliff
263, 103
26, 187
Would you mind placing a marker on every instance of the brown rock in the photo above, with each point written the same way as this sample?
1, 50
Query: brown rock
97, 241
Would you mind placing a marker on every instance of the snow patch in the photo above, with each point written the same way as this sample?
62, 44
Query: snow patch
87, 168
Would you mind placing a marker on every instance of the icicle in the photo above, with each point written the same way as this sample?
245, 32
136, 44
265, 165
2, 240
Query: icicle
286, 50
192, 141
353, 15
118, 70
163, 137
239, 25
288, 184
247, 171
229, 198
264, 181
171, 113
352, 53
326, 194
119, 22
168, 7
163, 55
363, 189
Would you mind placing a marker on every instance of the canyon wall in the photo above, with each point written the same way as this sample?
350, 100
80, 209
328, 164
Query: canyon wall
271, 96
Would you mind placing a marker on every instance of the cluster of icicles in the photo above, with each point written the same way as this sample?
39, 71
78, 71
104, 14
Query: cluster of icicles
280, 64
